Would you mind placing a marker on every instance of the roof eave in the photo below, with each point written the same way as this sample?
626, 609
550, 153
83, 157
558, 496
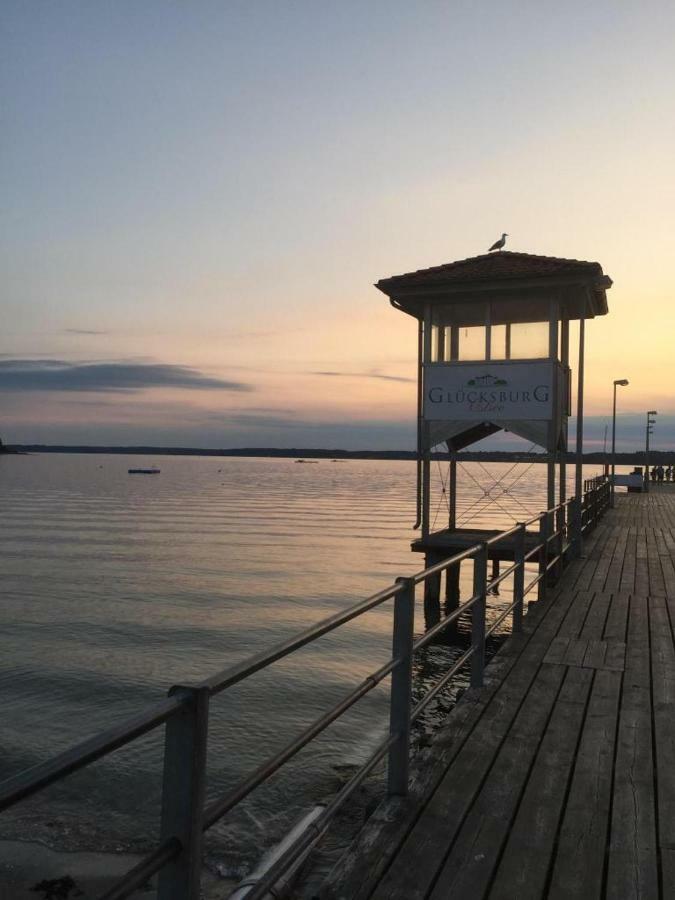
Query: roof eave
402, 295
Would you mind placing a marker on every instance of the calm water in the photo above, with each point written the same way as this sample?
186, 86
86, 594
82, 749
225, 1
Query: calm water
114, 587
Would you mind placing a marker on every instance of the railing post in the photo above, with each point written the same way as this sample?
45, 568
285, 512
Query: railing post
543, 554
560, 541
480, 562
183, 790
577, 529
519, 578
401, 688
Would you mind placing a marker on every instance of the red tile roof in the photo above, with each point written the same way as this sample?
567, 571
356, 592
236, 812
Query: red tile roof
495, 267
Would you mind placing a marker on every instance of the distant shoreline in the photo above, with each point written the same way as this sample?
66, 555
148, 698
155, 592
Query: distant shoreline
656, 457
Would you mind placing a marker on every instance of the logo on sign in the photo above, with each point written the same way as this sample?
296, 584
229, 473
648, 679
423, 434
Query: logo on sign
485, 381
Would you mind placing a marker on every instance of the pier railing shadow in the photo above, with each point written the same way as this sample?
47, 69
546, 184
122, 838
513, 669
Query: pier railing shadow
185, 813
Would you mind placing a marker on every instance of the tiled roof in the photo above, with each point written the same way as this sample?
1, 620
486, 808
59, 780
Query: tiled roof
494, 267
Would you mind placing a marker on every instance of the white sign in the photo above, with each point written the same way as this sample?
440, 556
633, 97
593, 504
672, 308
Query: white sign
491, 391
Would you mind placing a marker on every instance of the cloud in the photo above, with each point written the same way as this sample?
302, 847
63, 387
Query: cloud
364, 375
58, 375
83, 331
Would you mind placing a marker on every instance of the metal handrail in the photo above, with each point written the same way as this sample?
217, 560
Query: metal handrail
230, 676
21, 786
182, 703
218, 809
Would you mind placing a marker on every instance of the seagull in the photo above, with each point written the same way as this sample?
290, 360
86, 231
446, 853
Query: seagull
499, 244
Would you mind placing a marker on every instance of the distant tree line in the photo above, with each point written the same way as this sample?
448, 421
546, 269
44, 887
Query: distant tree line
656, 457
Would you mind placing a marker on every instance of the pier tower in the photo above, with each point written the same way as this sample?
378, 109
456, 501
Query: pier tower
494, 354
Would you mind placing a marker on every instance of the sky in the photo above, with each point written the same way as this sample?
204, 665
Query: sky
199, 197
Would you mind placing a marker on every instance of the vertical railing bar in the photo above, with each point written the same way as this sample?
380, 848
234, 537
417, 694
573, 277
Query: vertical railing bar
519, 578
560, 540
401, 689
183, 794
543, 554
478, 615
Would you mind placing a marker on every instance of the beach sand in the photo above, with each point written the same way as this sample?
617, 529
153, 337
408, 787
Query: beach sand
24, 864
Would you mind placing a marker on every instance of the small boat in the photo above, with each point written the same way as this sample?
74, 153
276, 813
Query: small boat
153, 470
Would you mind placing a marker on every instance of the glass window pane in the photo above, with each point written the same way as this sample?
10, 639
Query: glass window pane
472, 342
498, 342
434, 343
529, 340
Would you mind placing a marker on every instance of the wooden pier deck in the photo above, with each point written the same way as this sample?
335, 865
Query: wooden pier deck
557, 778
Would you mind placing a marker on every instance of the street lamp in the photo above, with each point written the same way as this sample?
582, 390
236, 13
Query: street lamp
650, 422
622, 382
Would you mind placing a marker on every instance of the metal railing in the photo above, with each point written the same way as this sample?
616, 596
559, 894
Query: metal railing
185, 814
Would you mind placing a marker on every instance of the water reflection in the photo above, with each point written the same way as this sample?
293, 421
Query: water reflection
115, 587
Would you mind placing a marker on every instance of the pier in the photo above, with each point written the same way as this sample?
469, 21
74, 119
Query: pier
556, 778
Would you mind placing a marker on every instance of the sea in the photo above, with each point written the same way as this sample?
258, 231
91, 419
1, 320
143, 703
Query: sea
115, 587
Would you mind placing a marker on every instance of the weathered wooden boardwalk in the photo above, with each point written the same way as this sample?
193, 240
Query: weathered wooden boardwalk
557, 778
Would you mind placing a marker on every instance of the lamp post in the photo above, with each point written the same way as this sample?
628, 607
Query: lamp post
622, 382
650, 422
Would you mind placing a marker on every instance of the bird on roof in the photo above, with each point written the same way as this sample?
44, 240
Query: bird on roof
499, 244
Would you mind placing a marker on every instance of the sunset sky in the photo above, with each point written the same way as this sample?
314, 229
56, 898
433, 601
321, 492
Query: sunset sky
198, 198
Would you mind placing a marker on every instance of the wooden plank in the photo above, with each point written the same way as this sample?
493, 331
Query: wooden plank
593, 553
594, 623
668, 568
525, 862
557, 650
613, 580
656, 581
575, 617
576, 652
617, 618
468, 869
627, 583
580, 857
632, 862
615, 658
594, 657
663, 697
642, 585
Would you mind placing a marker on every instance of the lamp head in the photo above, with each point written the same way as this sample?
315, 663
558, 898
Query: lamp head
652, 412
622, 381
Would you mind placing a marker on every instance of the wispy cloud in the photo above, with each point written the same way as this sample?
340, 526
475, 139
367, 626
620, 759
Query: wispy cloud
375, 375
59, 375
83, 331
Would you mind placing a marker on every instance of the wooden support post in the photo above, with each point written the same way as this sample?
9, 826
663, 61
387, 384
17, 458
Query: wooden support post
564, 402
183, 791
426, 484
495, 574
452, 593
426, 445
401, 689
432, 592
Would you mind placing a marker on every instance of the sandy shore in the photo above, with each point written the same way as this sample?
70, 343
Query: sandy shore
24, 864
